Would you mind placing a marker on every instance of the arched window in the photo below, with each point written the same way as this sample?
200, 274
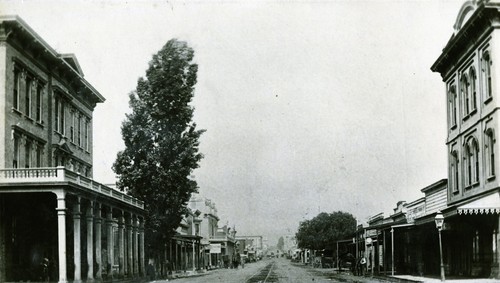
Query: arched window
454, 171
490, 152
452, 94
472, 90
486, 78
471, 162
475, 161
464, 89
468, 165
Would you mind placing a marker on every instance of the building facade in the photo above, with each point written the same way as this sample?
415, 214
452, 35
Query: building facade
468, 68
185, 252
52, 212
208, 226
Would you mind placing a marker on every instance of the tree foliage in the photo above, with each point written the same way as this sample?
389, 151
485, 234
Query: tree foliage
324, 230
161, 141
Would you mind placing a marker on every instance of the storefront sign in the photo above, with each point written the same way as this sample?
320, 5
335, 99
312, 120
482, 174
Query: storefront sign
414, 213
215, 248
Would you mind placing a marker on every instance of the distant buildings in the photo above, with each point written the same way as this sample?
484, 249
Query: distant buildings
217, 243
251, 246
51, 210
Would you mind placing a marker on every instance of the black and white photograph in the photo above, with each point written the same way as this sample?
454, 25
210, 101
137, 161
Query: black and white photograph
249, 141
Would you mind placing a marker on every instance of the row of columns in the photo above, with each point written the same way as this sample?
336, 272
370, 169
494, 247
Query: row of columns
130, 236
183, 255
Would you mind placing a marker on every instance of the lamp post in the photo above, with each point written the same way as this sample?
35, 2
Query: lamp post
439, 219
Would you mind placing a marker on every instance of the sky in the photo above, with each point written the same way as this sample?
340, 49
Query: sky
309, 106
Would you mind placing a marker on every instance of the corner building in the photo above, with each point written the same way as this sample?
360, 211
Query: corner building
51, 210
469, 68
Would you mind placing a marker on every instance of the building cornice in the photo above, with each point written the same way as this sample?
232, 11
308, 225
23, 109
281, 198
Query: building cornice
485, 18
14, 26
435, 186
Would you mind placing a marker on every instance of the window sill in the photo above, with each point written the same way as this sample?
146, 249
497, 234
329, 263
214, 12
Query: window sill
466, 117
474, 111
16, 111
40, 124
29, 118
490, 178
468, 187
455, 192
60, 134
488, 100
475, 184
453, 127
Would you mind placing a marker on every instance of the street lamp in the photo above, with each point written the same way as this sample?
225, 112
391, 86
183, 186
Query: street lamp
439, 219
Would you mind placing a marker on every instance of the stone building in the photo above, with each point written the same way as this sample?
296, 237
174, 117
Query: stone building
51, 210
468, 68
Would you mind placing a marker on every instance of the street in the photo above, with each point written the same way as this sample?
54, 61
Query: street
275, 270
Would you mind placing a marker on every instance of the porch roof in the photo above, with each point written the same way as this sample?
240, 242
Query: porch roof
47, 178
485, 205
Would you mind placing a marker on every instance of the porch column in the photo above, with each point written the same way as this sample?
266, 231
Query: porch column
210, 259
61, 235
98, 247
110, 241
136, 246
194, 257
90, 241
183, 256
121, 244
176, 255
125, 246
376, 254
170, 260
130, 263
141, 247
385, 252
77, 253
392, 251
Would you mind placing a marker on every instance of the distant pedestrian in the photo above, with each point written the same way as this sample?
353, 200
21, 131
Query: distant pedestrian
363, 265
150, 270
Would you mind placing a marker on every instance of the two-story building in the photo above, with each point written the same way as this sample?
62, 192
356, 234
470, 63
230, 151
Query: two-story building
52, 212
207, 229
468, 68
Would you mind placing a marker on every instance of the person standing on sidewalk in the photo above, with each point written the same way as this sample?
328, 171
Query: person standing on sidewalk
150, 270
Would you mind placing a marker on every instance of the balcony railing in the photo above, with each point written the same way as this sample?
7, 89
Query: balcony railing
61, 174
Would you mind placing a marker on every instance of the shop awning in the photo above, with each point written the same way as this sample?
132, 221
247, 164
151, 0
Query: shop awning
485, 205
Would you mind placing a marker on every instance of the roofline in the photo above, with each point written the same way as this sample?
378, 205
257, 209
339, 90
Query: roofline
52, 51
16, 18
75, 60
415, 202
434, 185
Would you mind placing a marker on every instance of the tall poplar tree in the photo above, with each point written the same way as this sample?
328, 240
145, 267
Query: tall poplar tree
161, 142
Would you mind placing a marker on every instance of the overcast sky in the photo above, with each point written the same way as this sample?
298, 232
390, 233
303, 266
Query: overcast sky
308, 105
